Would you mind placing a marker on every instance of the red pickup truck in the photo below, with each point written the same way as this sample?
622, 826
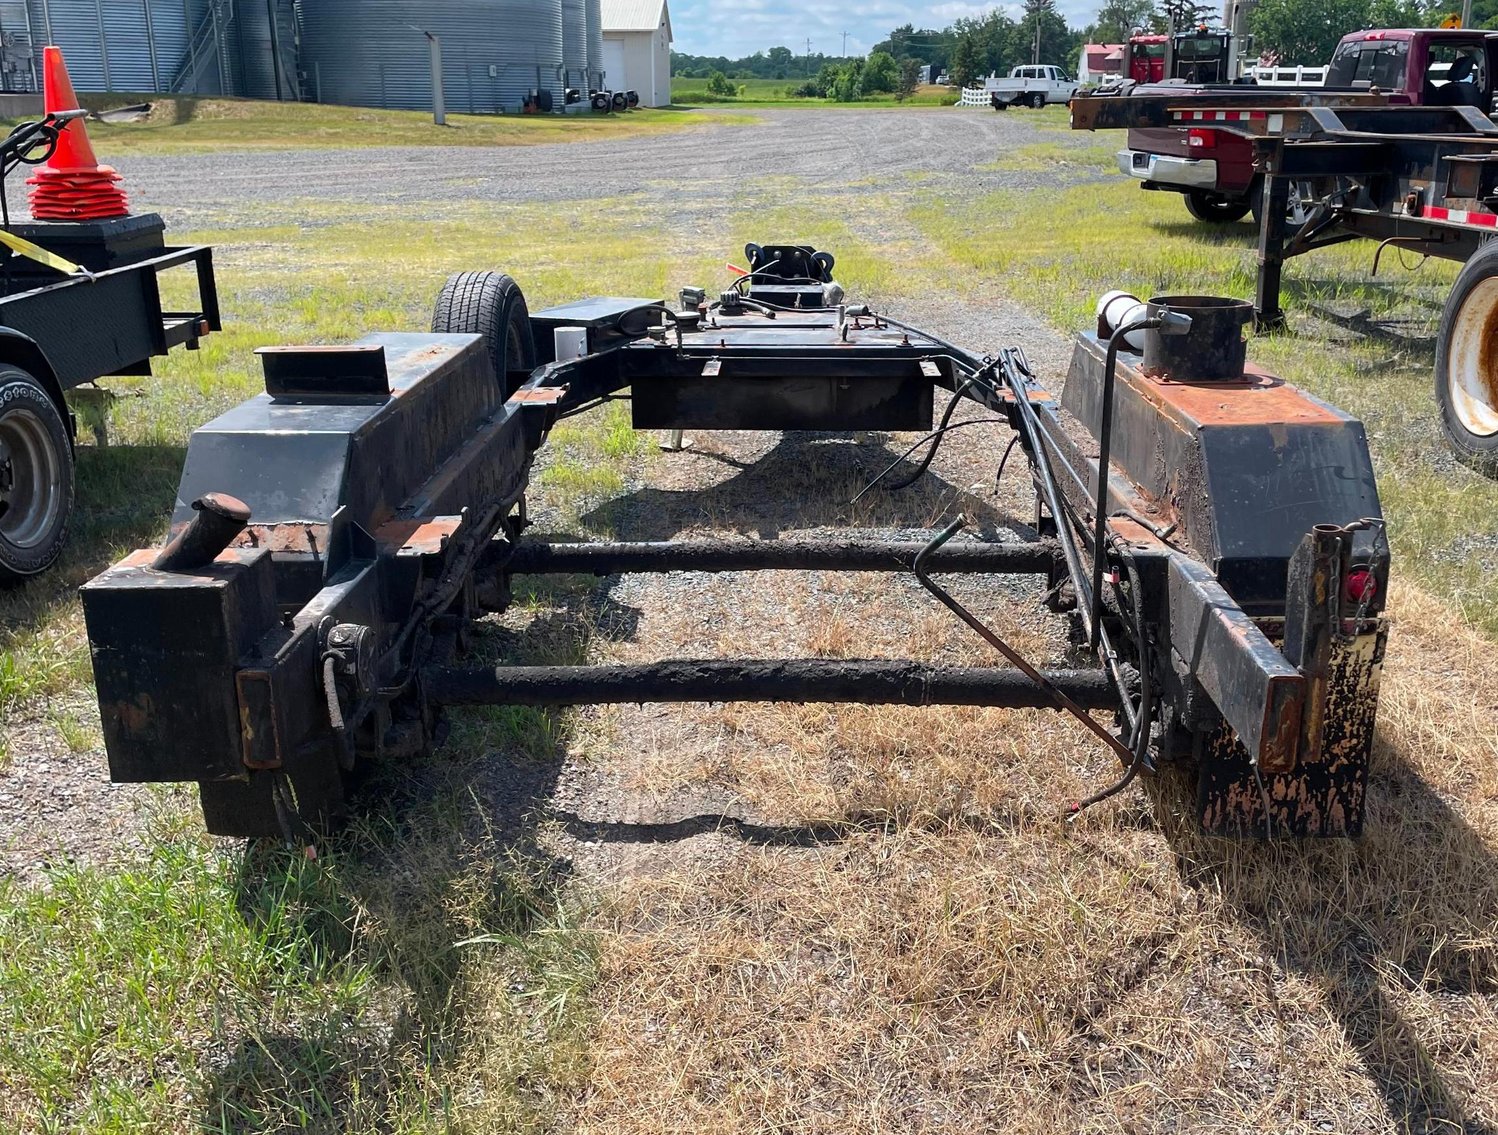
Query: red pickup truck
1214, 169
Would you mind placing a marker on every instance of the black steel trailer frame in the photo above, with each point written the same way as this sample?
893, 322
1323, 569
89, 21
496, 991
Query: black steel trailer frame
1220, 544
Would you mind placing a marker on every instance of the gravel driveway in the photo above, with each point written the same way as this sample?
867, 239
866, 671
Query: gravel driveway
829, 149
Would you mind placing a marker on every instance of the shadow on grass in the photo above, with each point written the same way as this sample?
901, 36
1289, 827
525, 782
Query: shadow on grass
1406, 911
805, 480
124, 498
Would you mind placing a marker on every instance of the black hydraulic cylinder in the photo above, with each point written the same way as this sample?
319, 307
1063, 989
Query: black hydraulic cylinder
534, 557
794, 680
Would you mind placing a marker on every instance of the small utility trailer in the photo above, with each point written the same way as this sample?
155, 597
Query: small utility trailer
81, 301
335, 537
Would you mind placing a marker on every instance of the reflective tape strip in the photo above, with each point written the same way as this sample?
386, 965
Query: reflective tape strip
1460, 216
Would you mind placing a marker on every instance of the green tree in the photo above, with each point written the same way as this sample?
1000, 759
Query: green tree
881, 74
849, 82
1116, 19
1302, 33
1183, 14
967, 60
1042, 35
780, 60
910, 77
721, 85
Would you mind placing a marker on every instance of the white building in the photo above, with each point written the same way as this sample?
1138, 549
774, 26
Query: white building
637, 49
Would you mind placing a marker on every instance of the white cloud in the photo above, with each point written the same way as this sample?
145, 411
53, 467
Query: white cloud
742, 27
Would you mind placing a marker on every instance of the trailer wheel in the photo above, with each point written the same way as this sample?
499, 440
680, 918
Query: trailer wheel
490, 304
1037, 101
1467, 363
36, 477
1214, 208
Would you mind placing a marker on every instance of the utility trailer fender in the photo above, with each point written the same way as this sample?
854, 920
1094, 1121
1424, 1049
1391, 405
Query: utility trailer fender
334, 537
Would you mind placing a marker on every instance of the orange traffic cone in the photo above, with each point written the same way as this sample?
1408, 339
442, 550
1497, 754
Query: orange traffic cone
72, 185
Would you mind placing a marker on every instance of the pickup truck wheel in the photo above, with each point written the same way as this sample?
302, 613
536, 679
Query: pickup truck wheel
1467, 363
1302, 202
490, 304
1215, 209
36, 477
1037, 100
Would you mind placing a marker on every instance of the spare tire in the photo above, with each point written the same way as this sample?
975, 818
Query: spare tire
490, 304
620, 101
1467, 363
601, 101
632, 98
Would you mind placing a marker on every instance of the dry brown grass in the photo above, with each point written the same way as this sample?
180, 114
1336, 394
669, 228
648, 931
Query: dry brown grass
899, 933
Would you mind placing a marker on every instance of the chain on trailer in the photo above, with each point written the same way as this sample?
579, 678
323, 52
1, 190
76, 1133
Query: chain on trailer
1212, 535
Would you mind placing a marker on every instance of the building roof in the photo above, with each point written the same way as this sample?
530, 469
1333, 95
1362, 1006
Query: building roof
635, 15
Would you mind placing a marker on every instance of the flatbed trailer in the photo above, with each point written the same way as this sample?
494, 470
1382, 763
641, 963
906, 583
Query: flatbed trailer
1213, 535
1424, 178
1417, 178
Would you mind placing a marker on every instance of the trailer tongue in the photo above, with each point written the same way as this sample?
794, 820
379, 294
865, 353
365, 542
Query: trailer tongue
336, 535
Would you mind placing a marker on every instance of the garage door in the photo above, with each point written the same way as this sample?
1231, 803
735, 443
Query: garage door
613, 65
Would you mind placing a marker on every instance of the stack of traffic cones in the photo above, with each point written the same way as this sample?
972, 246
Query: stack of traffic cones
72, 185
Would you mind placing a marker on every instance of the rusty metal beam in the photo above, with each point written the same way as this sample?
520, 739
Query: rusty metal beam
795, 680
534, 557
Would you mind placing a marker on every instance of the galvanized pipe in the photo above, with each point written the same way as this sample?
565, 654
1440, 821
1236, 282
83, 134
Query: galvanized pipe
534, 557
797, 680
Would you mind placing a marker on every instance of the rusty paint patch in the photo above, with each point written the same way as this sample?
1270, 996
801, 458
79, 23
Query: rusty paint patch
1260, 399
417, 537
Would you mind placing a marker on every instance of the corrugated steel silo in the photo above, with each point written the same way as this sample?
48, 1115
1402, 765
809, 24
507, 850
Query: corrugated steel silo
494, 52
575, 43
594, 16
264, 39
122, 45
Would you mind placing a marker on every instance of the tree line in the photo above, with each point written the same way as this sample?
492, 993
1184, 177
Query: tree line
1295, 31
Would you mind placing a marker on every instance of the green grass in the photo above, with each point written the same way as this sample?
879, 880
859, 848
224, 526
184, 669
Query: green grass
183, 125
1059, 250
778, 92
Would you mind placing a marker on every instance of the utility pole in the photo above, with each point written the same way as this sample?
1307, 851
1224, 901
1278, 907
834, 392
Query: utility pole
808, 59
1037, 39
845, 40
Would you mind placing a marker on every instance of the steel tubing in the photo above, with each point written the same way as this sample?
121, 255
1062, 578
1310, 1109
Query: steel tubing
797, 680
539, 558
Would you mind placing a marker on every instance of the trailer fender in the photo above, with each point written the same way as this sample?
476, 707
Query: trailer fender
22, 351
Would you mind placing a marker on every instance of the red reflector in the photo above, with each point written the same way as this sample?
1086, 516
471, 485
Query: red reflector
1201, 139
1361, 585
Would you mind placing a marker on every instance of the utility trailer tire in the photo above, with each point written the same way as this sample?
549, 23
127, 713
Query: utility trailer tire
1037, 101
1467, 363
490, 304
36, 477
1214, 208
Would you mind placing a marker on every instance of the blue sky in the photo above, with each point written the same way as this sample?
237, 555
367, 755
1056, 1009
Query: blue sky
742, 27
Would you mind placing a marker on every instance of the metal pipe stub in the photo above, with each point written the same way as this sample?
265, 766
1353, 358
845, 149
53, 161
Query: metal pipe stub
534, 557
736, 680
1214, 350
219, 519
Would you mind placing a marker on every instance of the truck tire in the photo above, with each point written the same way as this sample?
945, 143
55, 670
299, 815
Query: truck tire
1303, 198
36, 477
1467, 363
1037, 101
490, 304
1215, 209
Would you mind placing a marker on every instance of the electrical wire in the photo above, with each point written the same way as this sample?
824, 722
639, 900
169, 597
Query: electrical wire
941, 433
954, 426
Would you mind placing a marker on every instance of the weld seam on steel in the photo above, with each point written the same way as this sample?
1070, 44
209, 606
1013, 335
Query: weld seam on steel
800, 680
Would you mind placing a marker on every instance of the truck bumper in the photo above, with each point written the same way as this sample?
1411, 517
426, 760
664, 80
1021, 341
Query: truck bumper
1185, 173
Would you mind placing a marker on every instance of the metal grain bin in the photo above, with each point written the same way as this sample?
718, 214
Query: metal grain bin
494, 52
118, 45
265, 41
575, 43
593, 13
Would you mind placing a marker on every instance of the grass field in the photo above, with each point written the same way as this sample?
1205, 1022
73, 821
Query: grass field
187, 125
955, 960
778, 92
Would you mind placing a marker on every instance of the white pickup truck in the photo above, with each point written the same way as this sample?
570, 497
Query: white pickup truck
1031, 86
